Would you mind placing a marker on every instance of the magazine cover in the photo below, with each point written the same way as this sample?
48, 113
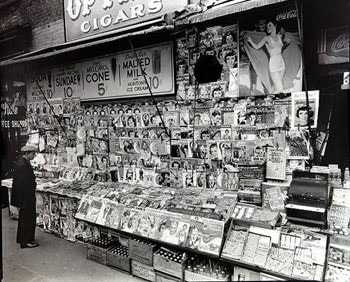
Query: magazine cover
71, 229
47, 222
64, 227
234, 244
228, 181
282, 108
37, 108
55, 224
240, 113
83, 207
175, 229
201, 178
298, 145
205, 235
40, 202
94, 209
67, 106
88, 232
110, 215
44, 107
63, 206
276, 164
172, 118
54, 204
79, 229
227, 115
250, 191
212, 180
270, 60
303, 116
30, 107
200, 150
274, 197
130, 220
295, 164
188, 178
214, 151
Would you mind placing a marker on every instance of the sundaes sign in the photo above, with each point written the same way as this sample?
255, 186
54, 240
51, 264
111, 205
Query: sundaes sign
88, 17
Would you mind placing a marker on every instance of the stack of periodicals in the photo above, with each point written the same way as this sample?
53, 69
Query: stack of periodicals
294, 253
338, 263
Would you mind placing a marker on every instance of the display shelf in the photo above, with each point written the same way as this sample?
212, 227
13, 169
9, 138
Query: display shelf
158, 242
258, 269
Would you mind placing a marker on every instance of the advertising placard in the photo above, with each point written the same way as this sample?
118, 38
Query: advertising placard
110, 77
85, 18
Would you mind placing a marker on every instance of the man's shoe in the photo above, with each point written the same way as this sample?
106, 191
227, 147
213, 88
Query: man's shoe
29, 245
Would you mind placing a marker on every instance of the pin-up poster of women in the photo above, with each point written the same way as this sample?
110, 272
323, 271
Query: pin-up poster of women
270, 61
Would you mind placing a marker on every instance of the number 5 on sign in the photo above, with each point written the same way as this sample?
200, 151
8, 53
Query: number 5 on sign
101, 89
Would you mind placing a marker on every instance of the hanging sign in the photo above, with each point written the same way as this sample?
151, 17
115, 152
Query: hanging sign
333, 46
111, 77
89, 17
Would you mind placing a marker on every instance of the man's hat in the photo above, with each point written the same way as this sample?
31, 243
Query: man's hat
28, 148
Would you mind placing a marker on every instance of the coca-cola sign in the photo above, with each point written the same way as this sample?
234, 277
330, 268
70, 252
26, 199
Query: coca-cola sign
341, 43
286, 15
334, 46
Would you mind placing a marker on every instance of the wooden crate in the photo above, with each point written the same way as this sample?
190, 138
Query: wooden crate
96, 254
141, 250
161, 277
142, 270
169, 262
118, 257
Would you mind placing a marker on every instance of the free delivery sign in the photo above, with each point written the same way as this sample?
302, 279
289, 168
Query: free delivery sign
84, 18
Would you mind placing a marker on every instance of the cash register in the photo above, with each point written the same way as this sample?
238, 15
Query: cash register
308, 198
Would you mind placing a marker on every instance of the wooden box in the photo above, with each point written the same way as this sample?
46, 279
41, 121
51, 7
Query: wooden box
197, 277
142, 270
97, 250
141, 250
118, 257
96, 254
161, 277
169, 262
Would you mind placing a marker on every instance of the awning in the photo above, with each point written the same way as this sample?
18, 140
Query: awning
226, 9
76, 45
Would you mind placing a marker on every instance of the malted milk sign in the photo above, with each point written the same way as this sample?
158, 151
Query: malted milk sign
111, 77
88, 17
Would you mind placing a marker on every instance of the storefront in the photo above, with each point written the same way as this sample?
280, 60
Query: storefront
195, 149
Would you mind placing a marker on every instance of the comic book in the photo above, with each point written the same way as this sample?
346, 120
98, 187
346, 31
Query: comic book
205, 235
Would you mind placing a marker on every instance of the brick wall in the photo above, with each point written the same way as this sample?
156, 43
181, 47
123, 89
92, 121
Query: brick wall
45, 18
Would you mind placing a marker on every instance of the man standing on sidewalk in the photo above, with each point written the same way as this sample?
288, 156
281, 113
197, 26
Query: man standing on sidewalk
23, 197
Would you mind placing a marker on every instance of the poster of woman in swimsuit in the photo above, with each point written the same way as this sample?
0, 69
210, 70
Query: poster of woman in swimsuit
270, 54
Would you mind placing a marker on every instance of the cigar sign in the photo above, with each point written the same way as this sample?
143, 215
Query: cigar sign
88, 17
111, 77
